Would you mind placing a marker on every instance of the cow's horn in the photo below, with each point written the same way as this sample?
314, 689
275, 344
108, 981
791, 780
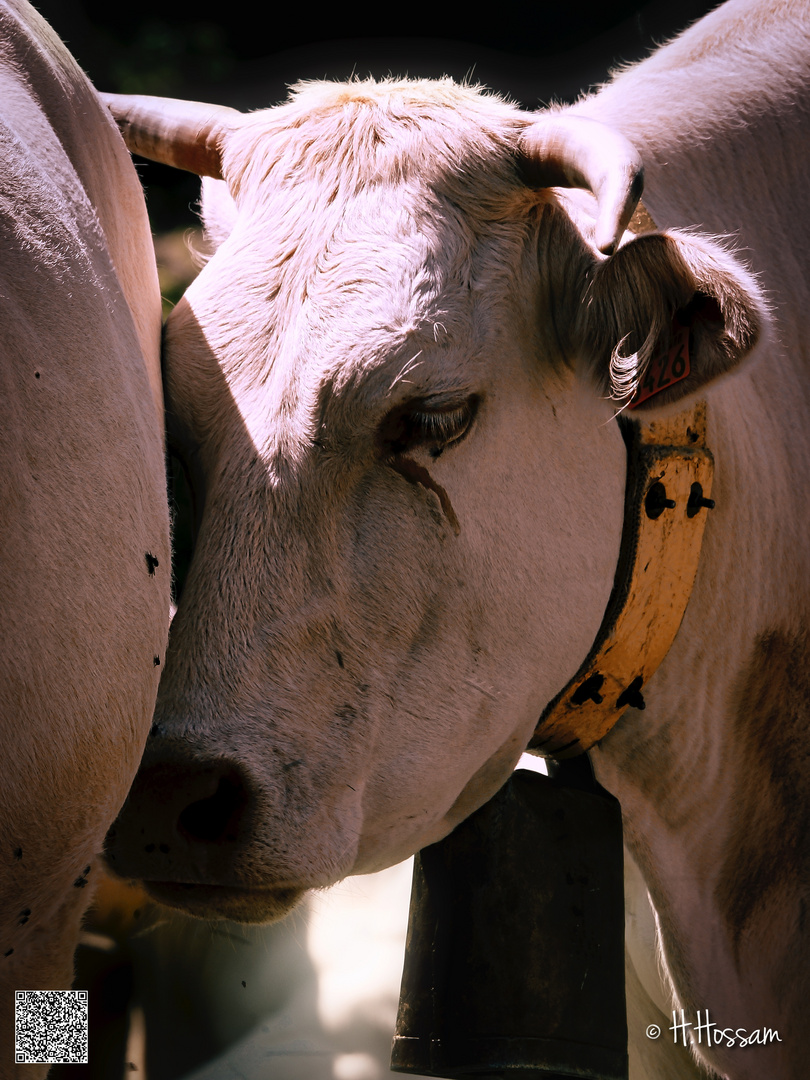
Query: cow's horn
572, 151
186, 134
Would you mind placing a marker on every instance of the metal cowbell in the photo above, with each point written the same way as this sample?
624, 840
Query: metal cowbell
514, 963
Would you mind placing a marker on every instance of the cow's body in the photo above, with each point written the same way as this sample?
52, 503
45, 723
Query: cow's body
383, 382
82, 491
713, 778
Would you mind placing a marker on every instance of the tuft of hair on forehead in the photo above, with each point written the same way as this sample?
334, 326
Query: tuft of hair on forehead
380, 131
388, 92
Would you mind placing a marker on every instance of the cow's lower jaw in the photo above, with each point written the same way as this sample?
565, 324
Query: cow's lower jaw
248, 905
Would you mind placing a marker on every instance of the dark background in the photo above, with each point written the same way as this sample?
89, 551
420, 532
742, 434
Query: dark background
247, 55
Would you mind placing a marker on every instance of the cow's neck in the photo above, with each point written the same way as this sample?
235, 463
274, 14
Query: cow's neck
669, 480
712, 775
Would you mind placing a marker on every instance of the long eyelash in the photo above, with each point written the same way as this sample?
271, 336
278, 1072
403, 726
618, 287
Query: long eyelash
441, 426
410, 426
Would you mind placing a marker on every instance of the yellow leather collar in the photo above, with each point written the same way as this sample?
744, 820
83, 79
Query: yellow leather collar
669, 479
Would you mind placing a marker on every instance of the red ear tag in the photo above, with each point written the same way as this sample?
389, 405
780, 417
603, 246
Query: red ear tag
667, 368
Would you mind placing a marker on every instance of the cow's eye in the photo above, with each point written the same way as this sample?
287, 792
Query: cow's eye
419, 426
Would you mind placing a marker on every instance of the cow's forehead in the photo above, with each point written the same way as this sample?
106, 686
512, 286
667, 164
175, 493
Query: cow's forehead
359, 185
354, 135
387, 287
380, 308
378, 226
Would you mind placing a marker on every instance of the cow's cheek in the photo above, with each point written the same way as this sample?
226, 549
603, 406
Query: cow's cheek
516, 598
405, 833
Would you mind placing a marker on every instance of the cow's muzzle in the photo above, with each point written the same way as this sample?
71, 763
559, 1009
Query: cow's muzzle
185, 831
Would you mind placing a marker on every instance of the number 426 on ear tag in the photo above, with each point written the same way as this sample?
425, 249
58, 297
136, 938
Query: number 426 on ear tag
667, 368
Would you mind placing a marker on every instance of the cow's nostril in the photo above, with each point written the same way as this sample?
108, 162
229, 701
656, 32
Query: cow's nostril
216, 818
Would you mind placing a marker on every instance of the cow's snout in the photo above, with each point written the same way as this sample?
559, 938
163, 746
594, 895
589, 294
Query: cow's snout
205, 835
182, 821
186, 831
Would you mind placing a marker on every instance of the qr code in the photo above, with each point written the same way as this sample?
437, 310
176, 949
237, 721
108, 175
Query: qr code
50, 1027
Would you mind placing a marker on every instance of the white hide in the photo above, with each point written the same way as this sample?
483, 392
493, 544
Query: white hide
84, 553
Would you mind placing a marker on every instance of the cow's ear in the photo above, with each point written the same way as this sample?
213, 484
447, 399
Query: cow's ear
218, 212
664, 316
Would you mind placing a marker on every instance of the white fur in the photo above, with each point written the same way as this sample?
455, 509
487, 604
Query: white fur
83, 497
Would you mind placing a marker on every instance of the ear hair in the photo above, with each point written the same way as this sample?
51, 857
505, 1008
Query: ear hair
565, 262
627, 316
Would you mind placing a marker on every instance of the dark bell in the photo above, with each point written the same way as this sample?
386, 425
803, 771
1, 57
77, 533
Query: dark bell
514, 964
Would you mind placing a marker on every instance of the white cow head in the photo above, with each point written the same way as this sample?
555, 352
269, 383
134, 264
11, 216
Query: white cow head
392, 387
